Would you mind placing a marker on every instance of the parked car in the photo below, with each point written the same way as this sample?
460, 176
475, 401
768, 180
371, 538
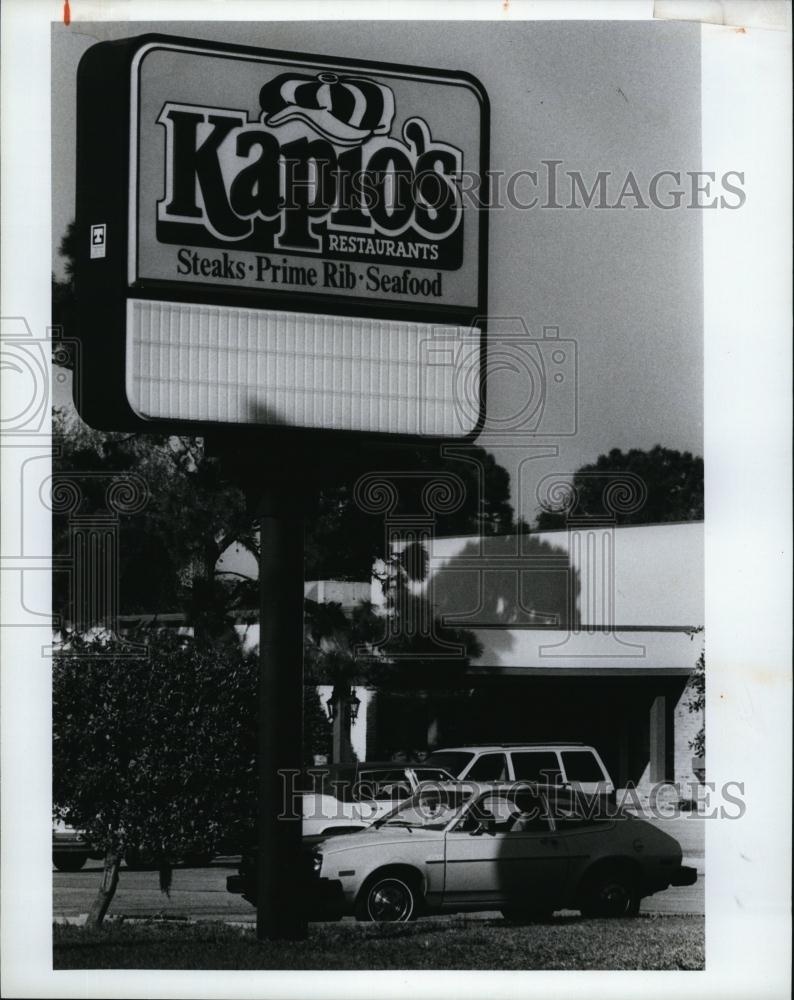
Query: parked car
70, 848
141, 859
566, 764
474, 846
343, 798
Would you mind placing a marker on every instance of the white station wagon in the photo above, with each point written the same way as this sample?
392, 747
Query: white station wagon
567, 764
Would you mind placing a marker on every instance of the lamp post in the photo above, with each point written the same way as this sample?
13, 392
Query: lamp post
342, 708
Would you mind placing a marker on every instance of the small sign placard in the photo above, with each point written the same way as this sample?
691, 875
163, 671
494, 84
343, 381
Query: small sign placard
98, 233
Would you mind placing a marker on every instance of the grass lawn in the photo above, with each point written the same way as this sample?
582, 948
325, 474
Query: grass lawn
649, 942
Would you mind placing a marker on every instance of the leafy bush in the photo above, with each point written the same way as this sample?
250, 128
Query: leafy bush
158, 751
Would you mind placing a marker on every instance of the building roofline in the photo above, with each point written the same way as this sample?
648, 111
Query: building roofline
553, 531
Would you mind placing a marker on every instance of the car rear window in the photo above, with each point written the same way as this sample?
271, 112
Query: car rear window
581, 765
454, 761
539, 766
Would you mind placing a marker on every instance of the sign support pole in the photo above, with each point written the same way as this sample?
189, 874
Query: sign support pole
280, 913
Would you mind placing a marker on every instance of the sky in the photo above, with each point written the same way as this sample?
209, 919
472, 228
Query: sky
625, 286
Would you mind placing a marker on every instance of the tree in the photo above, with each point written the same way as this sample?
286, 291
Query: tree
697, 703
673, 481
404, 646
169, 548
154, 753
343, 541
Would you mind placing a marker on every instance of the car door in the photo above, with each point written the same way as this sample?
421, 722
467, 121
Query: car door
520, 861
587, 838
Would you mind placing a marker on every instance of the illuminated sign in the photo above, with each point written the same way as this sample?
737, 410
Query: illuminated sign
277, 239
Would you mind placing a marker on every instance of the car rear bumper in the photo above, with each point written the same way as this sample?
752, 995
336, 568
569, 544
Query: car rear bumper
684, 875
77, 847
70, 847
236, 884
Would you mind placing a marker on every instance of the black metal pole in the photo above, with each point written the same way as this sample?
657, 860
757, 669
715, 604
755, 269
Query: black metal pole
279, 906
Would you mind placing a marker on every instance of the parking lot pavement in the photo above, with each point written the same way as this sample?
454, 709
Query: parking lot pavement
200, 894
196, 893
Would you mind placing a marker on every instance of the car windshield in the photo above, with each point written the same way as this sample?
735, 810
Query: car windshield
432, 774
430, 809
454, 761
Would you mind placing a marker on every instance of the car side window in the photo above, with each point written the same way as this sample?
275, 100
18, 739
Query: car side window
581, 765
538, 766
498, 811
531, 814
489, 767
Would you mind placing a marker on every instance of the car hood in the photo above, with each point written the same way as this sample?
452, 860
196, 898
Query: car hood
335, 844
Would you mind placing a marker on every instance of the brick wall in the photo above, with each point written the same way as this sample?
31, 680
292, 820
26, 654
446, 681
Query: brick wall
685, 725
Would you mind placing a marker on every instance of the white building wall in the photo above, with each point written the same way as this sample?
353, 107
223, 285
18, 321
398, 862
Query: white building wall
655, 572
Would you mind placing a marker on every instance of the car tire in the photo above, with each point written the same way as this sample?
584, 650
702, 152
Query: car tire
611, 892
71, 862
518, 915
389, 896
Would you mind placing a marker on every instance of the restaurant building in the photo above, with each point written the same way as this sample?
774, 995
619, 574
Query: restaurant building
587, 635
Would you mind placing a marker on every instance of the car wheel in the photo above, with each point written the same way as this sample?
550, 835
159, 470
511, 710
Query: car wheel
388, 897
519, 915
611, 893
71, 862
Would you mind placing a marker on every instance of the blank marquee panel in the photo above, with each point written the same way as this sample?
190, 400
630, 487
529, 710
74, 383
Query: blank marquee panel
248, 366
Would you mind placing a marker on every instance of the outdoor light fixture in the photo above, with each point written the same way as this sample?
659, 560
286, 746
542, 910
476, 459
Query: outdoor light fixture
353, 705
349, 702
